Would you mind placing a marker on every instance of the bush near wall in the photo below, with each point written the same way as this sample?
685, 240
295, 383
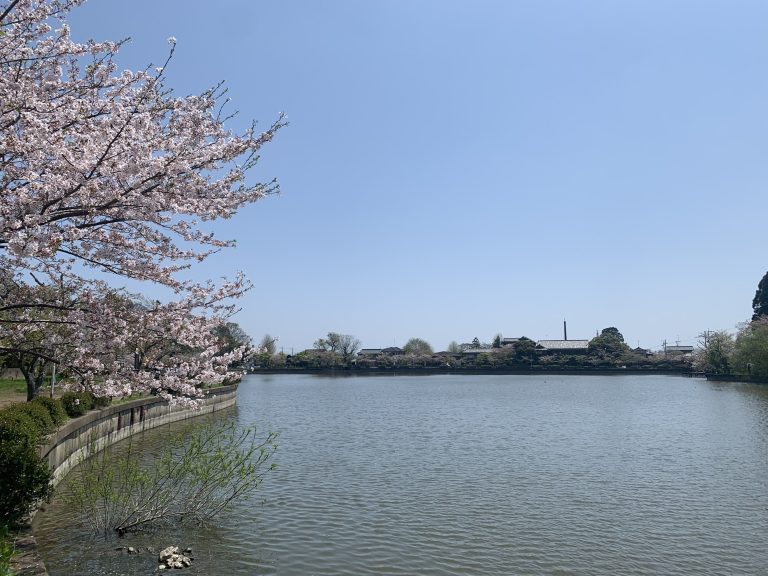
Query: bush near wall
77, 403
55, 408
100, 401
26, 477
38, 414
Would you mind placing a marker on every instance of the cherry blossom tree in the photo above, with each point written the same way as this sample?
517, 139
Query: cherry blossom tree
106, 174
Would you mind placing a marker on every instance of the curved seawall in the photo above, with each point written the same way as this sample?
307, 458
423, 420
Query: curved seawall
104, 427
101, 428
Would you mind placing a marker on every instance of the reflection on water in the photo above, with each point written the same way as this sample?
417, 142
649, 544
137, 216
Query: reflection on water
446, 474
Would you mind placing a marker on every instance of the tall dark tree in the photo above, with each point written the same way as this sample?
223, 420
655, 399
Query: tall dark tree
610, 342
760, 302
525, 350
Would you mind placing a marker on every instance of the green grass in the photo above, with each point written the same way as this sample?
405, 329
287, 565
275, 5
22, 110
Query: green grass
8, 386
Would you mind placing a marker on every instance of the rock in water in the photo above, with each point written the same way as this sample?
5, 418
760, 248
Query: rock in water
171, 558
166, 553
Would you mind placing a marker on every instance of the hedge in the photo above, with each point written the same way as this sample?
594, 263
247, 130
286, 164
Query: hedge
100, 401
77, 403
17, 426
38, 413
26, 477
55, 408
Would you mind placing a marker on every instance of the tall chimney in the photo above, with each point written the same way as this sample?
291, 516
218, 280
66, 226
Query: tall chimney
565, 331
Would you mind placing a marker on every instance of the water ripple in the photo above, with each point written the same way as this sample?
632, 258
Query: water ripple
497, 475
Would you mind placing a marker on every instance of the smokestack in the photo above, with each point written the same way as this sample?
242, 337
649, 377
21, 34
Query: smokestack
565, 331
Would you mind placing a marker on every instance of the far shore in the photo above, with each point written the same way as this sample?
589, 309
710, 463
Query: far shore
428, 371
415, 370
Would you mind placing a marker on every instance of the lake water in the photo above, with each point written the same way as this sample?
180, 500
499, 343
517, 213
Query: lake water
497, 475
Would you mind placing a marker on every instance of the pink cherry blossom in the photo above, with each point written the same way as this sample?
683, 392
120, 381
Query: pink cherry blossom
106, 174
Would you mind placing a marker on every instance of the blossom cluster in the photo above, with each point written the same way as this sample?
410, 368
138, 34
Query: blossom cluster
106, 174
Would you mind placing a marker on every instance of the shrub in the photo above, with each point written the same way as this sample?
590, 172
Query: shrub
100, 401
26, 478
18, 426
77, 403
207, 467
39, 414
86, 398
55, 408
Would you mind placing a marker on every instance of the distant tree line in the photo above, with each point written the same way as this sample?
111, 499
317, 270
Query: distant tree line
719, 352
339, 351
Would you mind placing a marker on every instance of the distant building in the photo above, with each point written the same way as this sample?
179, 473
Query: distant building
472, 352
509, 341
371, 352
678, 350
563, 346
393, 351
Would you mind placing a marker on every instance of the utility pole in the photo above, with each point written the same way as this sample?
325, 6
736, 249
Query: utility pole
53, 379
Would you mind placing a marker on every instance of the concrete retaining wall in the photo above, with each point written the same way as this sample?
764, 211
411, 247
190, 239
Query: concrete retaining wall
100, 428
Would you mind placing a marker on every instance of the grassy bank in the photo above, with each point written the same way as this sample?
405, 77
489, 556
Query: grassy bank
12, 390
9, 386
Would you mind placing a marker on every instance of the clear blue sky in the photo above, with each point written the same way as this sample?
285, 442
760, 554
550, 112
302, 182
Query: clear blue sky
461, 168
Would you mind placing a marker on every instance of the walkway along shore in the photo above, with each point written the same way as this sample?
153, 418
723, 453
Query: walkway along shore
104, 427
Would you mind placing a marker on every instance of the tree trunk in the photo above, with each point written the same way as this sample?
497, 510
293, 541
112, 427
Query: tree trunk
31, 383
34, 373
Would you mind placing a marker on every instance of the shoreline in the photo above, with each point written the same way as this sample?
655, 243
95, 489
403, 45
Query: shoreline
421, 371
550, 370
